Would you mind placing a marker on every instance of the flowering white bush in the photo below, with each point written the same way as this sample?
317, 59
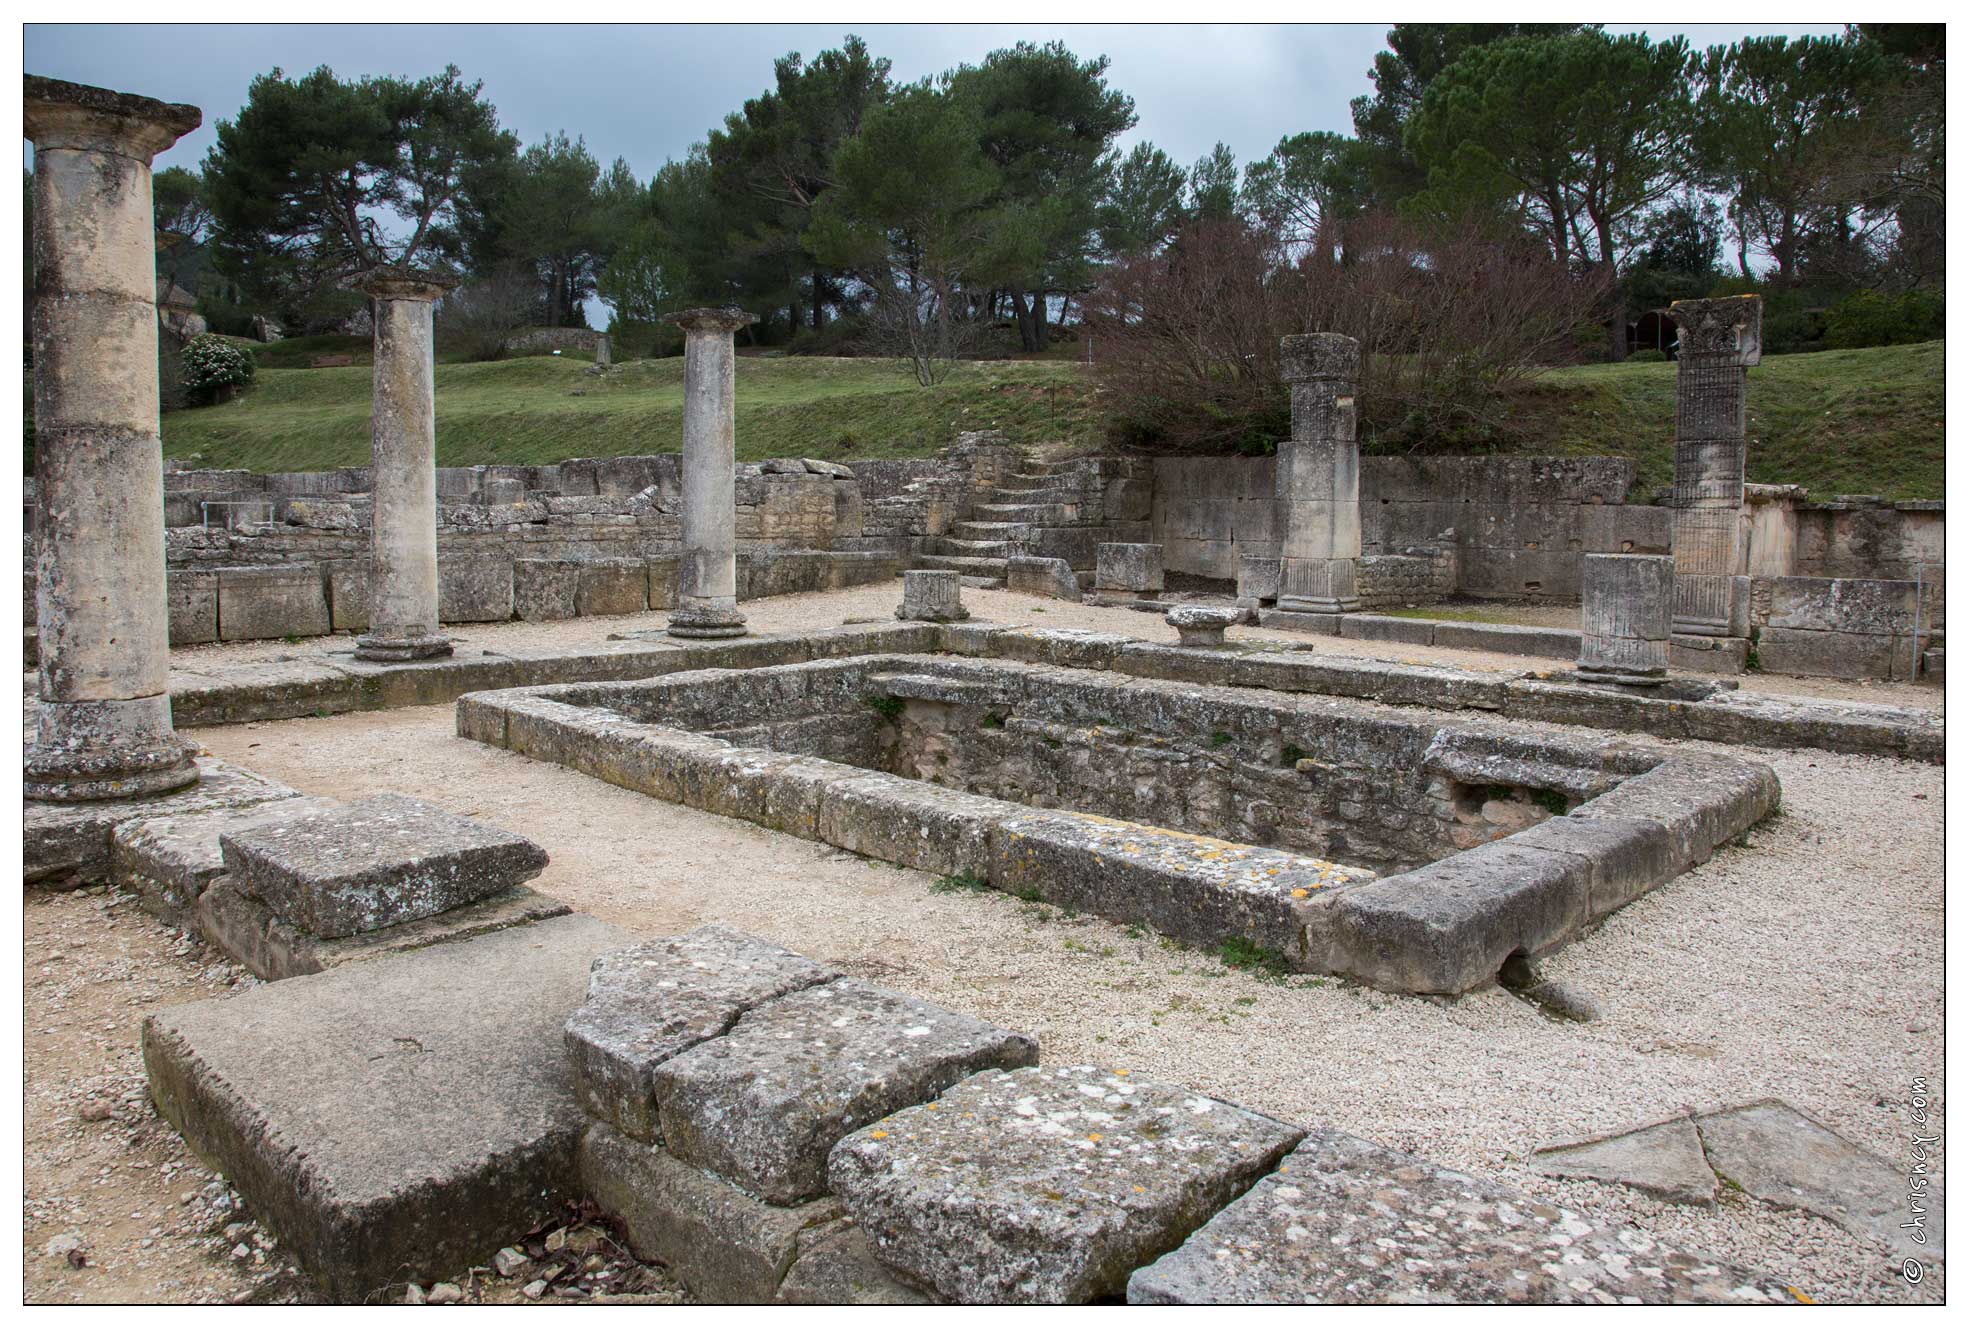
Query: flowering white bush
213, 367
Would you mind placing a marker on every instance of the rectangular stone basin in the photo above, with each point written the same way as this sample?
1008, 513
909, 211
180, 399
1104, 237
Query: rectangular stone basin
1405, 848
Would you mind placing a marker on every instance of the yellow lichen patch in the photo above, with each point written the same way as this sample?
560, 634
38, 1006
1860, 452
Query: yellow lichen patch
1095, 1136
878, 1135
1300, 892
1123, 1074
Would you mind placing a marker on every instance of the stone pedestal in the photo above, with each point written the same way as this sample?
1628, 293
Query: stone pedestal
103, 723
707, 570
932, 597
1319, 476
603, 354
1134, 568
1720, 340
403, 561
1625, 608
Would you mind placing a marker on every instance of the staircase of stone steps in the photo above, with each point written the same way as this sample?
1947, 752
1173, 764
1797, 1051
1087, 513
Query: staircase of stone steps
976, 548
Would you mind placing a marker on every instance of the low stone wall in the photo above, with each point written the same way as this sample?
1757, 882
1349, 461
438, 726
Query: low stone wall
1418, 577
528, 340
1858, 536
1845, 627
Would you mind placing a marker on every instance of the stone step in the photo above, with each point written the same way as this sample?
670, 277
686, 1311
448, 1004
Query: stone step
1029, 498
973, 548
983, 583
976, 567
986, 530
1031, 514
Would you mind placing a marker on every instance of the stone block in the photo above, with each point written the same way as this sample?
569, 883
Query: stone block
932, 597
1688, 652
69, 844
475, 589
1835, 654
660, 998
374, 863
348, 596
544, 588
1509, 639
763, 1105
722, 1244
170, 860
1702, 803
1049, 577
1347, 1220
1046, 1186
1386, 627
837, 1266
611, 586
919, 825
1258, 577
278, 600
192, 605
1129, 567
395, 1120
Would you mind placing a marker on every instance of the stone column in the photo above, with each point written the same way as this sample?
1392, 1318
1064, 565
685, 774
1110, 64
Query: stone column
603, 353
1624, 618
707, 570
103, 724
403, 460
1319, 476
1720, 340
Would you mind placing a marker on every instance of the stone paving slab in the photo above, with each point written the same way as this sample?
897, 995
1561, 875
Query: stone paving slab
1779, 1155
69, 843
660, 998
374, 863
169, 861
1663, 1159
1041, 1186
1347, 1220
763, 1105
400, 1119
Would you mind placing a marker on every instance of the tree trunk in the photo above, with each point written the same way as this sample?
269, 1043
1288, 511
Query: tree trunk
820, 302
1031, 321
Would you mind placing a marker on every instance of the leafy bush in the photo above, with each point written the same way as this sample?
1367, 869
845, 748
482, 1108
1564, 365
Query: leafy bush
213, 368
1647, 355
1871, 318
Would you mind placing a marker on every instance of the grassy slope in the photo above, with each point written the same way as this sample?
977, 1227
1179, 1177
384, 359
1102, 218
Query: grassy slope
1837, 422
544, 408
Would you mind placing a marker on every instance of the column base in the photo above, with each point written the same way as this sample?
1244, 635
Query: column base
1626, 678
91, 774
399, 650
1302, 604
707, 620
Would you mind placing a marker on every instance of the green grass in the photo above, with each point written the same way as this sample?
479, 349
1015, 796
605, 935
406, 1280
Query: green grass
545, 408
1867, 422
1837, 422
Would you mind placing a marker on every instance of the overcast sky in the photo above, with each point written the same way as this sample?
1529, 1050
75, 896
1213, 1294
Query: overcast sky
648, 93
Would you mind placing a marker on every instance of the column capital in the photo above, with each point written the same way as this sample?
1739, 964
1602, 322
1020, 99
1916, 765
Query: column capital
727, 320
395, 281
76, 116
1319, 355
1730, 325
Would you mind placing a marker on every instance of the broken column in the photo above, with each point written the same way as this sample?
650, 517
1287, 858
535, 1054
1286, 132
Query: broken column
403, 559
932, 597
103, 727
707, 571
1625, 612
1720, 340
1318, 482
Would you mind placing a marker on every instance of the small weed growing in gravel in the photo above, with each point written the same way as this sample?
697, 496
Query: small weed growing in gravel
1247, 1001
959, 882
889, 708
1029, 894
1256, 960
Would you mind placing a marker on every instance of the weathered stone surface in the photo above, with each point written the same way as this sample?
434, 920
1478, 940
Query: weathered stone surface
763, 1105
1128, 567
272, 948
1039, 1186
1781, 1156
399, 1119
1346, 1220
932, 597
278, 601
837, 1266
1663, 1159
660, 998
1202, 625
374, 863
1387, 627
69, 843
475, 590
544, 588
611, 586
907, 821
1701, 803
725, 1245
1049, 577
169, 861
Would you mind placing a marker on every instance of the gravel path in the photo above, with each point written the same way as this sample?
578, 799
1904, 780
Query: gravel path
1804, 965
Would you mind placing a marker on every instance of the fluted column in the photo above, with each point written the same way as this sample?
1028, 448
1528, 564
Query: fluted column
403, 552
1319, 481
103, 723
707, 569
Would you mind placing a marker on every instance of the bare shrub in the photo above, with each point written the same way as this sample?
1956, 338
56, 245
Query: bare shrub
921, 320
477, 318
1450, 323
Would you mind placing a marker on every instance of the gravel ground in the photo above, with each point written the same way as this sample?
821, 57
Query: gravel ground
1804, 965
